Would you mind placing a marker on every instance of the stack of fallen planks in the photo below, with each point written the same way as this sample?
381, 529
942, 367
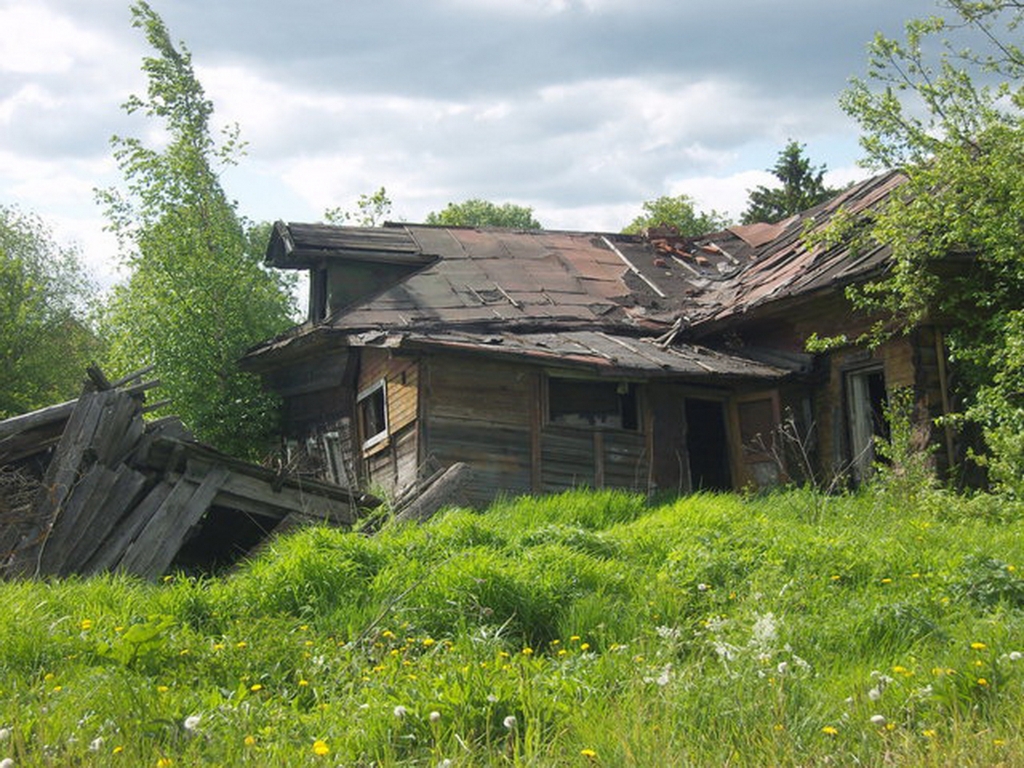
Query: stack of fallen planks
117, 493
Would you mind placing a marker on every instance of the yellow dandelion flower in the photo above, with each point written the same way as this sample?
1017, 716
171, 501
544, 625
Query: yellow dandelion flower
320, 748
58, 688
585, 647
304, 627
162, 689
117, 750
428, 641
86, 625
836, 577
556, 641
999, 742
829, 730
218, 646
574, 639
308, 643
250, 741
886, 581
588, 753
562, 652
387, 633
982, 682
929, 733
978, 646
527, 651
164, 762
255, 687
184, 652
241, 644
303, 683
168, 578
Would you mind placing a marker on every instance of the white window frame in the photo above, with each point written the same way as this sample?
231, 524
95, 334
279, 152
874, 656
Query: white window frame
380, 386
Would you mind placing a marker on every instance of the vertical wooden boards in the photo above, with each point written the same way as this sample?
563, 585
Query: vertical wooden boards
161, 538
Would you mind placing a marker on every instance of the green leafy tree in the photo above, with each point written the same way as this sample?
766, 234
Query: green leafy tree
802, 187
483, 213
46, 341
679, 212
372, 210
944, 104
198, 295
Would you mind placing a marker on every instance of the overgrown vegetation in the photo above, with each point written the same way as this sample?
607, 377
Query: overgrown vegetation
944, 104
586, 628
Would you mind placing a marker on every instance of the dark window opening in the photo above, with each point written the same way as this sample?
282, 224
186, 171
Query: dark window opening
604, 404
371, 407
707, 445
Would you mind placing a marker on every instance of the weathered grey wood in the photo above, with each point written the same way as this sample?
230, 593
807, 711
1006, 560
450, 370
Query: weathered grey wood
66, 462
116, 422
21, 445
77, 514
153, 551
106, 512
445, 491
44, 416
127, 529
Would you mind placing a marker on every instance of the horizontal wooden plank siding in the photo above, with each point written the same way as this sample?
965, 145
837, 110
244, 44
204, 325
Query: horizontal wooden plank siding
567, 459
481, 413
626, 463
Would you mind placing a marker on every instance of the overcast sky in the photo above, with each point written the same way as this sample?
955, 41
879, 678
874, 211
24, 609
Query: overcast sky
581, 109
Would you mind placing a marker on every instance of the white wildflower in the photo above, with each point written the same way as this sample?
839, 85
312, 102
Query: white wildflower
435, 716
7, 762
874, 694
878, 720
400, 711
1015, 655
5, 734
96, 744
702, 587
765, 631
509, 722
192, 722
492, 698
783, 667
446, 763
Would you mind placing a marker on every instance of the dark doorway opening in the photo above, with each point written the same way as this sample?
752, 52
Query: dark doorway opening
221, 539
867, 402
707, 445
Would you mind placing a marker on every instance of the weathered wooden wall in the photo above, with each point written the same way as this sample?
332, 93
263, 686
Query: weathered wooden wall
392, 464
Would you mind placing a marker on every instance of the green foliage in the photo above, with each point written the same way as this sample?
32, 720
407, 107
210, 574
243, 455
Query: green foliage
198, 295
802, 187
679, 212
46, 340
577, 629
483, 213
372, 210
950, 117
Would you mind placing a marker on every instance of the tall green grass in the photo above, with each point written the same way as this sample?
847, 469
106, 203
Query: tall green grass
587, 628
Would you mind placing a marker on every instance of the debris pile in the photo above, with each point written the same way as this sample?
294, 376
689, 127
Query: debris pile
89, 486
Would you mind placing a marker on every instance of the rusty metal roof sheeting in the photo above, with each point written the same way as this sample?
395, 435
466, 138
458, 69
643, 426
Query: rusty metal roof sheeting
600, 352
498, 280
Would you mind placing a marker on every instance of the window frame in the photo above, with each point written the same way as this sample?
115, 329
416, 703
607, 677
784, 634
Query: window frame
369, 441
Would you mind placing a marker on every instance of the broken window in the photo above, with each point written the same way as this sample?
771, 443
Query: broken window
371, 407
581, 403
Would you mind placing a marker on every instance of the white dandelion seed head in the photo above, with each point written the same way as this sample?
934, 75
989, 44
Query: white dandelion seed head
435, 716
509, 722
874, 694
192, 722
1015, 655
400, 711
96, 744
446, 763
702, 587
878, 720
7, 762
5, 734
783, 667
492, 698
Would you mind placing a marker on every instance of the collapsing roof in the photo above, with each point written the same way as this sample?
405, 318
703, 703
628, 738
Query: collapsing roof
573, 298
90, 487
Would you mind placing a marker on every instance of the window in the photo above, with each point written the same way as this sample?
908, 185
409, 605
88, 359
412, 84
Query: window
580, 403
372, 411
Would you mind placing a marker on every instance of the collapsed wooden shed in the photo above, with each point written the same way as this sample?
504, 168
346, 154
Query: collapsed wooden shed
89, 486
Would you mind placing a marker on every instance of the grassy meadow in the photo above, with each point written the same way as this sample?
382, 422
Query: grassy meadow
583, 629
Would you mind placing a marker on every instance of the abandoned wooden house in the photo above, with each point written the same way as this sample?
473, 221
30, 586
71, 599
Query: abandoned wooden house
548, 360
